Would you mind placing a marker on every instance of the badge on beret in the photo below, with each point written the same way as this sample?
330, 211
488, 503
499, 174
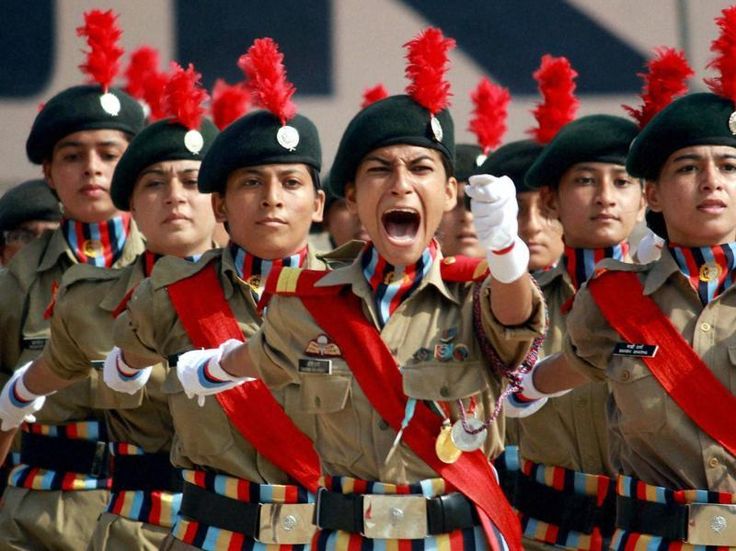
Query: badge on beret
194, 141
110, 104
480, 159
288, 137
434, 123
732, 123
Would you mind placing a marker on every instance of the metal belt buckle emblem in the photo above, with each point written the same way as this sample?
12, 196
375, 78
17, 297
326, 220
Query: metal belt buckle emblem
711, 524
394, 517
287, 523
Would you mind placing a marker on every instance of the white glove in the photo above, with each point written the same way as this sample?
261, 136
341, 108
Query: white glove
494, 210
650, 247
518, 408
120, 377
202, 375
529, 392
17, 403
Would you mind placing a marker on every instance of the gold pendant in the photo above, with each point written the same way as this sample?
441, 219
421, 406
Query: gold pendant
446, 450
92, 248
709, 272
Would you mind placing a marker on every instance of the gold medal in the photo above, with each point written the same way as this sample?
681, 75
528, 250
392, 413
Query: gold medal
92, 248
709, 272
445, 448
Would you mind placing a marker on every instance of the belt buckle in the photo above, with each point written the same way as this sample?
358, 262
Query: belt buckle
99, 461
394, 517
711, 524
286, 523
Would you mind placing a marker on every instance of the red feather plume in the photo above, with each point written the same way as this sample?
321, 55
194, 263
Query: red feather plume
229, 102
184, 96
263, 66
426, 68
725, 61
491, 103
103, 58
556, 80
153, 94
372, 95
666, 79
143, 62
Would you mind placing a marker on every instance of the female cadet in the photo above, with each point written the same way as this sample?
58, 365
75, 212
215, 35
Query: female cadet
670, 436
263, 173
156, 180
335, 348
78, 137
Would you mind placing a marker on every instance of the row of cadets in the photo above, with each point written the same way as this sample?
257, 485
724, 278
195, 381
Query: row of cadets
660, 334
60, 487
262, 173
394, 365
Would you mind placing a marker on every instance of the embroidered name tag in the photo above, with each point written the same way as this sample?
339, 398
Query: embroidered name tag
637, 350
34, 344
309, 365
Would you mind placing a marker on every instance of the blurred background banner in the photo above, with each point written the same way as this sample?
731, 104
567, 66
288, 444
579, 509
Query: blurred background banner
334, 49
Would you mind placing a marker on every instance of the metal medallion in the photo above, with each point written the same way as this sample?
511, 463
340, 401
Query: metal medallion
467, 441
110, 104
92, 248
194, 141
288, 137
709, 272
446, 450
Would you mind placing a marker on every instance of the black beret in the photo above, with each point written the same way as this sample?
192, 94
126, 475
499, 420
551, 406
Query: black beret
31, 200
391, 121
513, 160
695, 119
81, 108
595, 138
162, 141
259, 138
466, 161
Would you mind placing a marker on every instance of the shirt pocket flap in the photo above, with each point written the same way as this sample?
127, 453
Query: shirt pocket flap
324, 393
445, 381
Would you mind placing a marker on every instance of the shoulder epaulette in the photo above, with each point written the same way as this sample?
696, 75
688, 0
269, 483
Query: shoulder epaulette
459, 269
87, 272
342, 255
171, 269
611, 265
25, 264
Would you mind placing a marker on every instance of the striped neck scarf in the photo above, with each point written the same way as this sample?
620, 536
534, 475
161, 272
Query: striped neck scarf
150, 258
580, 263
393, 284
709, 270
254, 271
97, 243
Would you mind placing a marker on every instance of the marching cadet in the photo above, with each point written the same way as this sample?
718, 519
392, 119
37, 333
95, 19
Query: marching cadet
155, 180
56, 493
26, 211
334, 343
661, 334
263, 174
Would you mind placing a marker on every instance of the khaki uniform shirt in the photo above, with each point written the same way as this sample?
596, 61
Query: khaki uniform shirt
569, 431
26, 291
150, 327
84, 307
349, 435
651, 438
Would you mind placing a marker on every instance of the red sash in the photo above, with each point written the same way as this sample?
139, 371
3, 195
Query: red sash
340, 315
206, 316
682, 373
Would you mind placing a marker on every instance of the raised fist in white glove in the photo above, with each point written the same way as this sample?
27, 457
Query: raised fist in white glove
202, 375
17, 403
494, 207
650, 247
121, 377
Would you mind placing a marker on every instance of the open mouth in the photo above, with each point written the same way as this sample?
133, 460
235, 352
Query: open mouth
401, 224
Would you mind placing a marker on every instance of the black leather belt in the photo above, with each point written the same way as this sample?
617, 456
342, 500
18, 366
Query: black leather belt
65, 454
147, 472
567, 510
507, 478
219, 511
336, 511
667, 520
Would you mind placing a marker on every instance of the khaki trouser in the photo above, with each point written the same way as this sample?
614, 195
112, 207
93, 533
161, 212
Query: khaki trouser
114, 532
49, 520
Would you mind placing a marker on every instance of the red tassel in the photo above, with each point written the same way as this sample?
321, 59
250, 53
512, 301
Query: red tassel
153, 94
372, 95
103, 59
725, 61
184, 95
666, 79
263, 66
143, 62
556, 80
229, 102
491, 110
427, 57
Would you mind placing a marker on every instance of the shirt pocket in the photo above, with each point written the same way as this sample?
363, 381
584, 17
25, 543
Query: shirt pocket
327, 398
445, 381
640, 399
203, 432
